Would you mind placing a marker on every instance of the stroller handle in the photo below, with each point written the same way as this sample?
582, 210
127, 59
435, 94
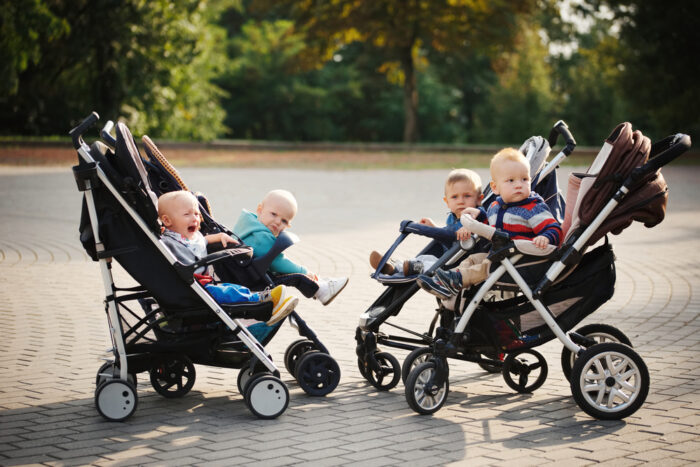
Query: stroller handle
438, 233
561, 128
77, 132
662, 152
106, 134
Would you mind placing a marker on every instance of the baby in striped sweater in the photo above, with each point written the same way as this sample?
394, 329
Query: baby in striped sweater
518, 211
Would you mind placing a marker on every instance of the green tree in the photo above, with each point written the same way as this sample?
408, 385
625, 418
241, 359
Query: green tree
520, 103
400, 29
151, 61
25, 26
651, 49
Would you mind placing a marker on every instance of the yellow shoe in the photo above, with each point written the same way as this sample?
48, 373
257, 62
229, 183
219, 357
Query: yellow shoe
283, 304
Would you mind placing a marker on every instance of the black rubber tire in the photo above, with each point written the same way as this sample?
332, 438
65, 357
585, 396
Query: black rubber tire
173, 377
389, 365
318, 374
423, 397
295, 350
517, 364
628, 370
601, 333
413, 359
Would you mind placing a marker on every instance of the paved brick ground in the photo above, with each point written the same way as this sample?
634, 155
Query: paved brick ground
54, 335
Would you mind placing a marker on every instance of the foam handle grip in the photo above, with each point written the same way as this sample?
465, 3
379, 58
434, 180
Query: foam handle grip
479, 228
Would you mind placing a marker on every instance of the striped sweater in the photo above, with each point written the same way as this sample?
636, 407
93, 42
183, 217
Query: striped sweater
525, 219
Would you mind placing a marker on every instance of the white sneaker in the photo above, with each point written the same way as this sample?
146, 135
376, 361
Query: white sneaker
329, 288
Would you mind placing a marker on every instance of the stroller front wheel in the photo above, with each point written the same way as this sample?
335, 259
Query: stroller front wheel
267, 396
173, 377
609, 381
422, 394
295, 351
116, 399
386, 374
413, 359
523, 365
317, 373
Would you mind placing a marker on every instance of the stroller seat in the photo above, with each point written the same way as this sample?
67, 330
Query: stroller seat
168, 322
608, 379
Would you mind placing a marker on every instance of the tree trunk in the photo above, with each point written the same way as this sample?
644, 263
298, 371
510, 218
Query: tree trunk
410, 98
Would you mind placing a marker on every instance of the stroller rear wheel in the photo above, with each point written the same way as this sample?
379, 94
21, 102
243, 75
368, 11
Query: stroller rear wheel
523, 365
294, 352
422, 394
413, 359
116, 400
266, 396
609, 381
108, 371
173, 377
600, 333
317, 373
245, 376
387, 373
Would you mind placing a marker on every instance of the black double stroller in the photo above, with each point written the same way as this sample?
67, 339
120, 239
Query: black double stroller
167, 323
608, 379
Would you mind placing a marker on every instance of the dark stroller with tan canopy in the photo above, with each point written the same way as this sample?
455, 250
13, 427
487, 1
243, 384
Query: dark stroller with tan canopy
168, 322
608, 379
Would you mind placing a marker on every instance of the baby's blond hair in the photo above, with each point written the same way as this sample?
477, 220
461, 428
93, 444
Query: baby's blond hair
507, 154
464, 175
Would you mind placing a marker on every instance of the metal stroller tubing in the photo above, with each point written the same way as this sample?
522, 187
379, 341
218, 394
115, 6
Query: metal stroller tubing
176, 323
608, 379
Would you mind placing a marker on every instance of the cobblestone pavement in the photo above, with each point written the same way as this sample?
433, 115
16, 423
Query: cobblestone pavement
54, 336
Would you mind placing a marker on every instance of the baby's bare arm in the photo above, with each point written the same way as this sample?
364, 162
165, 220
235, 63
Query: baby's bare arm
221, 237
427, 221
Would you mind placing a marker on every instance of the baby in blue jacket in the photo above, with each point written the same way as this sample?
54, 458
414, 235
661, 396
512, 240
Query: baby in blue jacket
260, 230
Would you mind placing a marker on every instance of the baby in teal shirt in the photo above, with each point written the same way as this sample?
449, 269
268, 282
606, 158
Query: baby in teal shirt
260, 230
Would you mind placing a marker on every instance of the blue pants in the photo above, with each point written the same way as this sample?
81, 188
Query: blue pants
231, 293
234, 293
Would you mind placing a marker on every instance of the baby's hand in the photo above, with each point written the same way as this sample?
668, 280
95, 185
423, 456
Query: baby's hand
427, 221
463, 234
223, 238
541, 242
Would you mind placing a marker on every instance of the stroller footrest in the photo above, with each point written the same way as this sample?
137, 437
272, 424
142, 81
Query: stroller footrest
261, 311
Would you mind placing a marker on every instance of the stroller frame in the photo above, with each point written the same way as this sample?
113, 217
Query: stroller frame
608, 380
115, 397
382, 369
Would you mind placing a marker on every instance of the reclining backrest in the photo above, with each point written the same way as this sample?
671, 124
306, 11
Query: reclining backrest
122, 237
136, 187
162, 175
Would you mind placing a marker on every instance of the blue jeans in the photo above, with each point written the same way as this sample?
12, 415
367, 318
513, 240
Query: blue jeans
231, 293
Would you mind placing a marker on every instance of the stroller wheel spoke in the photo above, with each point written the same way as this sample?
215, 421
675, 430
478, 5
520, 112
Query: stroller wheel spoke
387, 373
529, 365
609, 381
174, 377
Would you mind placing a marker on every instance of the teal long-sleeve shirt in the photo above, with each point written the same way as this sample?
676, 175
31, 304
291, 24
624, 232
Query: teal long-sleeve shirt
254, 233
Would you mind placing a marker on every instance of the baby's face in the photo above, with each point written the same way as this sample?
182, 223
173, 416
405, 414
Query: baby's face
183, 216
276, 214
511, 181
461, 195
